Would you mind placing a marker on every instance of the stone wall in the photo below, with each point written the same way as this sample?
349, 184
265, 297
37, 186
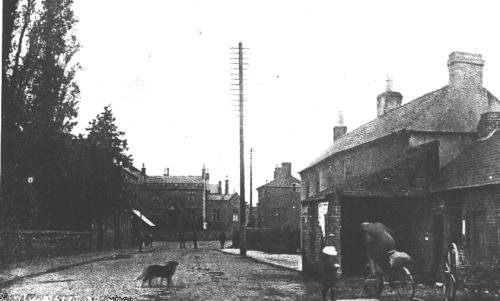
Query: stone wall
28, 244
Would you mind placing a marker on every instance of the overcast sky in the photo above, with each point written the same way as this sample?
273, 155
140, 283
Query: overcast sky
164, 66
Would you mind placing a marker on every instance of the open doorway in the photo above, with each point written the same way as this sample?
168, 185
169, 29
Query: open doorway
393, 212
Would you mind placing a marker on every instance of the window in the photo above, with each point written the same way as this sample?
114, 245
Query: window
295, 187
215, 215
308, 188
235, 215
323, 178
348, 168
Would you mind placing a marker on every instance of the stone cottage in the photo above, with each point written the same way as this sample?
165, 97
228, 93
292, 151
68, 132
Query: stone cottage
279, 200
429, 169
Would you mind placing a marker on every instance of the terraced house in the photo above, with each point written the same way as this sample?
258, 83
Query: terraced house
429, 169
175, 203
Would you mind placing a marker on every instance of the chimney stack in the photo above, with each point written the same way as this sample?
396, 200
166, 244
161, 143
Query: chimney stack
340, 129
143, 169
166, 172
465, 70
287, 168
226, 188
219, 188
388, 100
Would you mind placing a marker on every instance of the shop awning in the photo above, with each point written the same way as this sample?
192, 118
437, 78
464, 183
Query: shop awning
144, 219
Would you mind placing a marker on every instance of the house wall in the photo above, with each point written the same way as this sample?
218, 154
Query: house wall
155, 201
333, 172
450, 144
226, 209
279, 206
468, 202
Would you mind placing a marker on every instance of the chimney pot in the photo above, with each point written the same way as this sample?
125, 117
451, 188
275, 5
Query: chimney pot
143, 169
226, 188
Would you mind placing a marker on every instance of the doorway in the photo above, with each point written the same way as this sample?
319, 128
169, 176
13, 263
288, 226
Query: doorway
395, 213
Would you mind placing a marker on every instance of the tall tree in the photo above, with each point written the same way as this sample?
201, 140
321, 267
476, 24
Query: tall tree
106, 157
39, 105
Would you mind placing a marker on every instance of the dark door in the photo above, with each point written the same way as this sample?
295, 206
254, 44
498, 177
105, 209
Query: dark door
438, 237
478, 237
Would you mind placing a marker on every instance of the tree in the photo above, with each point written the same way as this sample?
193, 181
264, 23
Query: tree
106, 157
39, 105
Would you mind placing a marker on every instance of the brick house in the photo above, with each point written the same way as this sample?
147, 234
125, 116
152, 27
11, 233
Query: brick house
429, 169
223, 209
279, 200
176, 202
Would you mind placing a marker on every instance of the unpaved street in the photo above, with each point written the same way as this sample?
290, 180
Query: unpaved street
203, 274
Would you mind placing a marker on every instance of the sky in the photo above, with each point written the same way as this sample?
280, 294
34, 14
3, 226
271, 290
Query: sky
165, 68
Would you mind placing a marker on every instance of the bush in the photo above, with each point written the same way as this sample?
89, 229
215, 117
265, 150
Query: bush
275, 240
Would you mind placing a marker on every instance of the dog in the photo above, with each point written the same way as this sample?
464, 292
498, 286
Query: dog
158, 271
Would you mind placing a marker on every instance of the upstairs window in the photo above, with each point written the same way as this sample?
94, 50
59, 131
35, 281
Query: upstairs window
323, 178
235, 215
295, 187
348, 168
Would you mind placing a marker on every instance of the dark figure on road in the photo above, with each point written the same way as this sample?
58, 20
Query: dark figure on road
380, 245
148, 240
182, 241
222, 239
140, 240
195, 239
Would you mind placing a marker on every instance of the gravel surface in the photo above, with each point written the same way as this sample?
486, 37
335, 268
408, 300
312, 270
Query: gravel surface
203, 274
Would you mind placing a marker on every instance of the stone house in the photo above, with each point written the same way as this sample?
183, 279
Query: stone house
429, 169
279, 200
175, 203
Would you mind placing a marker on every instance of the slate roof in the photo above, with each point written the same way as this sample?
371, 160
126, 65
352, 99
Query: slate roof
174, 180
478, 165
281, 182
437, 111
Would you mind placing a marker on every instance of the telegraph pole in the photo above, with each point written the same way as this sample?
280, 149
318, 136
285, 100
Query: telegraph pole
204, 173
243, 247
250, 214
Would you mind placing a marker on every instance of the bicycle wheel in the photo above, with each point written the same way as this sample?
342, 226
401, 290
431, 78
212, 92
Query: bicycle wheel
450, 272
405, 285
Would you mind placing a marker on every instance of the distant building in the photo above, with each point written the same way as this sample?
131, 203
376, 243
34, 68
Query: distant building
279, 200
428, 169
175, 203
223, 209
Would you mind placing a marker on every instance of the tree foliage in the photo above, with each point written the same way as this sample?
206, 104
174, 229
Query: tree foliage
50, 178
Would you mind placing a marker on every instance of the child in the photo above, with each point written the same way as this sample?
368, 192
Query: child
329, 270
